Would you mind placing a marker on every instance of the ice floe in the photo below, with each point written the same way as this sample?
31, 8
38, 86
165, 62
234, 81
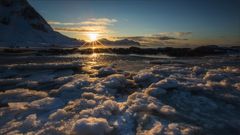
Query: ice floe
181, 98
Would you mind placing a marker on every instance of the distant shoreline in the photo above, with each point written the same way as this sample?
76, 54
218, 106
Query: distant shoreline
170, 51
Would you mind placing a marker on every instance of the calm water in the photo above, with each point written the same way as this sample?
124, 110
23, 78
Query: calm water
129, 62
122, 62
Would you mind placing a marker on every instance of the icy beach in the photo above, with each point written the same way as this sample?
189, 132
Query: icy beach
119, 94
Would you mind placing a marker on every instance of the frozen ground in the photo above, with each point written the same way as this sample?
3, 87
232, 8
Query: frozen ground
119, 95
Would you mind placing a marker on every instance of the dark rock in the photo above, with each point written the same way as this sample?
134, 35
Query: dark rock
4, 20
6, 3
39, 26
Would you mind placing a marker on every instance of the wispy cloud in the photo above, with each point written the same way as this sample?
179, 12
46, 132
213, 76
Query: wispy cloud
73, 29
99, 21
62, 23
96, 25
90, 21
102, 26
174, 34
84, 29
160, 38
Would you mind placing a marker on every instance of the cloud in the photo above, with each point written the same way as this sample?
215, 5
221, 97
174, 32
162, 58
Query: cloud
174, 34
182, 34
88, 22
61, 23
73, 29
162, 38
166, 38
149, 38
99, 21
91, 25
84, 29
102, 26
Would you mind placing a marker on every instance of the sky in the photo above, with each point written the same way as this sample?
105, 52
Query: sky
150, 22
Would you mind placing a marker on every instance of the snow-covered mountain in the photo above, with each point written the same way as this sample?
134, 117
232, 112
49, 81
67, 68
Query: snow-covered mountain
21, 25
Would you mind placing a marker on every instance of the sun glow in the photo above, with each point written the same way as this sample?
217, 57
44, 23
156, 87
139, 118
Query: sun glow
93, 36
93, 41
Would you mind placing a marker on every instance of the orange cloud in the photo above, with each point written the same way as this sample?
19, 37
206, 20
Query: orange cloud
90, 21
84, 29
80, 29
61, 23
99, 21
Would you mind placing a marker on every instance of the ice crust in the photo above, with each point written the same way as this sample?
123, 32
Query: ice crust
162, 100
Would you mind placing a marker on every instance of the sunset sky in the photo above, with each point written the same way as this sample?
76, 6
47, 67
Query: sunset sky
151, 22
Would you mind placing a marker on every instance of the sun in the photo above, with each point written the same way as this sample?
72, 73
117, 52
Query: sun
93, 36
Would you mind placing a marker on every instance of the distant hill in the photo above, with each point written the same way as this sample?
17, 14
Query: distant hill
21, 25
123, 42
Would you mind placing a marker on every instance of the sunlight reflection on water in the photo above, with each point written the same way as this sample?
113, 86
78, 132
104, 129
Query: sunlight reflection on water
122, 62
129, 62
94, 55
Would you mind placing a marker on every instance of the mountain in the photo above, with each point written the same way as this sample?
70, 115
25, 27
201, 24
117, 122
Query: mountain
123, 42
21, 25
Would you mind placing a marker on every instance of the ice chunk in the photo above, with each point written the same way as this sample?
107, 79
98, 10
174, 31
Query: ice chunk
92, 126
47, 103
198, 70
116, 81
231, 69
88, 95
113, 84
145, 78
31, 121
58, 115
72, 89
224, 84
168, 83
18, 105
50, 130
237, 86
105, 71
155, 92
162, 128
21, 95
142, 102
215, 76
157, 129
111, 105
167, 110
